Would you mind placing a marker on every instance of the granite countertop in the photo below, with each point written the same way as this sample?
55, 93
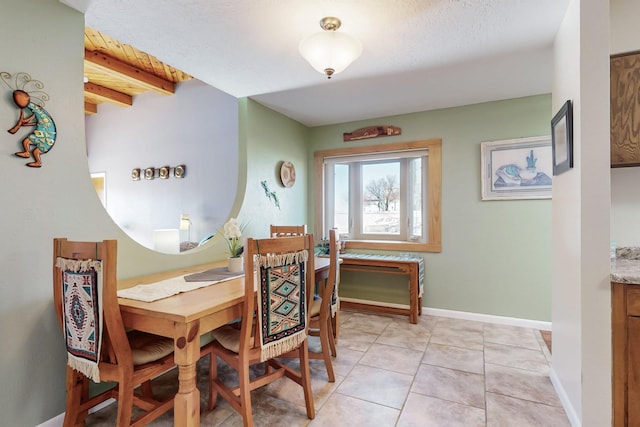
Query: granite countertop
626, 267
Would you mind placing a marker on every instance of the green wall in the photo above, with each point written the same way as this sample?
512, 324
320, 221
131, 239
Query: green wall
270, 138
495, 255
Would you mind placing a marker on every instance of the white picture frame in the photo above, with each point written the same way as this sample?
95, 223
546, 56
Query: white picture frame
520, 168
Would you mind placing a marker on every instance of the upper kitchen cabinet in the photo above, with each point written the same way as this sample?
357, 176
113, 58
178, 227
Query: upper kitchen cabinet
625, 109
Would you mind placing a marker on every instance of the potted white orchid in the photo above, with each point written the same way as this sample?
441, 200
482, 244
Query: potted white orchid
233, 235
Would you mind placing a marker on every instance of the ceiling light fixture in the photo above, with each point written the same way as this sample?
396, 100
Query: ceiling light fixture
329, 51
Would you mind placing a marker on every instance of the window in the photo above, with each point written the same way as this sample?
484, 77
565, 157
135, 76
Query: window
381, 196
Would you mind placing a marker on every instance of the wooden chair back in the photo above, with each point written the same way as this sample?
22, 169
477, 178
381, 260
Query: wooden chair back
115, 344
287, 230
115, 361
254, 249
241, 348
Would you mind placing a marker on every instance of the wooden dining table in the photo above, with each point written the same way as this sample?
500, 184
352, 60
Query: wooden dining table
185, 317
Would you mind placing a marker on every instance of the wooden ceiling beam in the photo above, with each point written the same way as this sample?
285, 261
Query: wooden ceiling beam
94, 92
135, 76
90, 108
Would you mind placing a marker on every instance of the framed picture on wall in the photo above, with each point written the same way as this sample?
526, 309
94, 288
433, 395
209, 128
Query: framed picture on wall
516, 169
562, 137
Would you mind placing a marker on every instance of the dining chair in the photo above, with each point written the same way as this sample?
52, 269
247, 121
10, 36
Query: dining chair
324, 309
274, 321
97, 344
287, 230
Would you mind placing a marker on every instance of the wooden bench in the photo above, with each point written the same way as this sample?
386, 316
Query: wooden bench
388, 264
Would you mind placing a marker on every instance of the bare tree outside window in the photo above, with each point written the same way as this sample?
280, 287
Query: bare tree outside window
383, 192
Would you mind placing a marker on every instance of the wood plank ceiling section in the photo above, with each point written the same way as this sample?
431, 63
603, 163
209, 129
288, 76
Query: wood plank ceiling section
115, 72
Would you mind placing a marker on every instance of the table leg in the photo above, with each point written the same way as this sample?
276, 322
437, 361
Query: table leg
413, 294
187, 352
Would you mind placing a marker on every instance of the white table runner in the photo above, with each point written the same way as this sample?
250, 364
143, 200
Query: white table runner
166, 288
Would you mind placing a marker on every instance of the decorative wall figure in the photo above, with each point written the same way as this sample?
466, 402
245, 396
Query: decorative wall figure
271, 195
371, 132
27, 95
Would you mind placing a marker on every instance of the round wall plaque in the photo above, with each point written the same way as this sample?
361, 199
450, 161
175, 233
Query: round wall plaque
288, 174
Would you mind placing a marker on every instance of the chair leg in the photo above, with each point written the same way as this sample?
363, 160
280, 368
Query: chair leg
245, 395
324, 342
213, 376
125, 402
76, 393
306, 379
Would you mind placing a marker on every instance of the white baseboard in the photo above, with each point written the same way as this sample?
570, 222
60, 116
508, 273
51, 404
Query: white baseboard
502, 320
53, 422
59, 420
564, 399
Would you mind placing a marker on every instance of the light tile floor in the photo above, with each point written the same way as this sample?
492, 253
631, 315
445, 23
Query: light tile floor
440, 372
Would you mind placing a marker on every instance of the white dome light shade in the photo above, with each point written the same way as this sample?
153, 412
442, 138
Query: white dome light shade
330, 52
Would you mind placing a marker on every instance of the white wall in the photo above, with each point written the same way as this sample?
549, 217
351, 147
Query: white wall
624, 29
625, 197
625, 206
581, 364
197, 126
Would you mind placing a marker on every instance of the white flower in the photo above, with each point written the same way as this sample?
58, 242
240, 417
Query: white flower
233, 232
232, 229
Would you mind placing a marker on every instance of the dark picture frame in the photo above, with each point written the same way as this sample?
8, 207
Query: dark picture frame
562, 139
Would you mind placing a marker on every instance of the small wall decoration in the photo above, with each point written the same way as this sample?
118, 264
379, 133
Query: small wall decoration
371, 132
516, 169
562, 138
164, 172
28, 94
149, 173
271, 195
288, 174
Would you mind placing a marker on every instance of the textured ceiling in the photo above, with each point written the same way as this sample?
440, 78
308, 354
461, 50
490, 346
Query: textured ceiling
417, 54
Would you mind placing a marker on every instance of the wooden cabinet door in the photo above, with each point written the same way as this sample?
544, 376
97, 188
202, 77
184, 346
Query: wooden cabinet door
625, 109
633, 372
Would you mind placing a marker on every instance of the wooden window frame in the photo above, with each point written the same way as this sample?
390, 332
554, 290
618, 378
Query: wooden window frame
434, 194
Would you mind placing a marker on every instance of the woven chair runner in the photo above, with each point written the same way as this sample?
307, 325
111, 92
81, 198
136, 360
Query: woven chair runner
82, 314
282, 303
420, 261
